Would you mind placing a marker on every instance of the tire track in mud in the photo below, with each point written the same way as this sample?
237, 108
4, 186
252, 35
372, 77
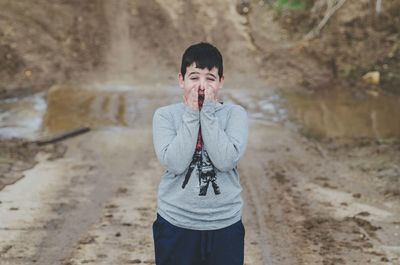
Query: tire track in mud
122, 234
307, 214
254, 216
268, 204
88, 195
120, 57
86, 198
114, 153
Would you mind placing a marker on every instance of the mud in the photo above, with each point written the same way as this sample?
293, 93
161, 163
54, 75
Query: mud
18, 155
306, 201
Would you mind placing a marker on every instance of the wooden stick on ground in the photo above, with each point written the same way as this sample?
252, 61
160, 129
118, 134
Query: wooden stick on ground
62, 136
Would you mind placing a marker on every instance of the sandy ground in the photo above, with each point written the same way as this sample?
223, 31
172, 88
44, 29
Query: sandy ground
91, 199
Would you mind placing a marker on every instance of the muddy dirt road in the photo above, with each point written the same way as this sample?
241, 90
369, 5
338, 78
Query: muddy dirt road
305, 203
91, 199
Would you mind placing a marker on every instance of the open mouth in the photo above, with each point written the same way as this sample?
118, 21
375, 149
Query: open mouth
201, 99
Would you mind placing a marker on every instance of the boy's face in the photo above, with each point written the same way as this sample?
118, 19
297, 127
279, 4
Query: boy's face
196, 78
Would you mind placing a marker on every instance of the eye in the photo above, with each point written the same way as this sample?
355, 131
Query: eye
194, 78
211, 79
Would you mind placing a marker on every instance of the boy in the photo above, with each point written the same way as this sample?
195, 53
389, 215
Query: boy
199, 142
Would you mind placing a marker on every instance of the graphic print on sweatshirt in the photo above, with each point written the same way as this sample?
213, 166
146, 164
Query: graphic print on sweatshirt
205, 169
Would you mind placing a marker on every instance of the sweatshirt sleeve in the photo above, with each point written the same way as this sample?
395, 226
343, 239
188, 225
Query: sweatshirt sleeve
224, 147
175, 148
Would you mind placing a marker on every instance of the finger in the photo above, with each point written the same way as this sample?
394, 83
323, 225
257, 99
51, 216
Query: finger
210, 93
194, 93
194, 99
208, 90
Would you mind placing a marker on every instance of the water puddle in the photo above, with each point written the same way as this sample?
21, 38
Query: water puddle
101, 106
343, 114
72, 107
22, 117
65, 108
261, 108
329, 114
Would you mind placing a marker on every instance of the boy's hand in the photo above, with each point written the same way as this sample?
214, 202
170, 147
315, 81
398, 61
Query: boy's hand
209, 93
192, 101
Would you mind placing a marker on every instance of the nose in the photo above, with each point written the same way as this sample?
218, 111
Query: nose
202, 85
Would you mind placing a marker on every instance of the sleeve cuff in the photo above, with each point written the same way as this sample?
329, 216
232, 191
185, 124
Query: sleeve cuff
190, 110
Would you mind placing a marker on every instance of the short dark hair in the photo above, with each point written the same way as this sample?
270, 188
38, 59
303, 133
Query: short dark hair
204, 55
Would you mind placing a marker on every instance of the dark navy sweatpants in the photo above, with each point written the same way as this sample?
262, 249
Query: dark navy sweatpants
179, 246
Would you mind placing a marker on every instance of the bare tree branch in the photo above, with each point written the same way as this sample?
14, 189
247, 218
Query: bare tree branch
332, 7
378, 6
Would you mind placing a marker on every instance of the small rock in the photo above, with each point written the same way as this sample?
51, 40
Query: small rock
243, 7
118, 234
87, 261
357, 195
87, 240
135, 261
28, 73
363, 214
367, 245
372, 78
5, 249
122, 190
373, 93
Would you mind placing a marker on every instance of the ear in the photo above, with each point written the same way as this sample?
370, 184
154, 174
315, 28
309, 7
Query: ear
180, 80
221, 82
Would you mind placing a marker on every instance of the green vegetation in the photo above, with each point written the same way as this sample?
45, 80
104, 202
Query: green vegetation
290, 4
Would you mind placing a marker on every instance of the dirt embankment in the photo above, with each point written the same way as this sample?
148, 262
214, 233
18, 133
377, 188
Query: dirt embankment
44, 42
77, 42
353, 41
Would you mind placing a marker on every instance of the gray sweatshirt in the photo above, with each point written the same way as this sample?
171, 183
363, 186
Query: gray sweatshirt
200, 189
